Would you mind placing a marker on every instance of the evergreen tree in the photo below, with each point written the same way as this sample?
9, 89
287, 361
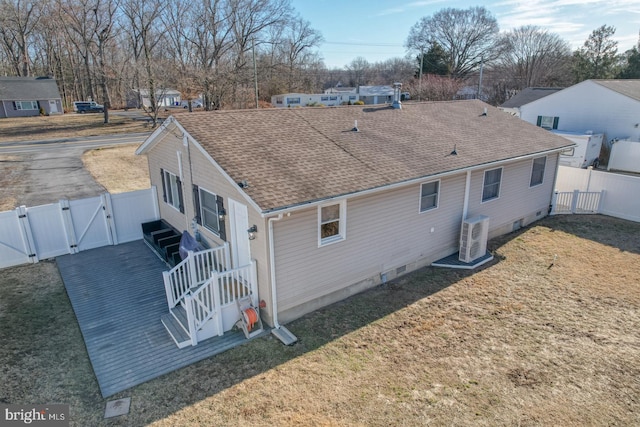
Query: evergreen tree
598, 58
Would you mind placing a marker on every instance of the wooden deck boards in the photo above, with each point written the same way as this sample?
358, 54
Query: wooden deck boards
118, 296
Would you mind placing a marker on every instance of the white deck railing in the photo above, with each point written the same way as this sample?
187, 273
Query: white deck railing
222, 289
193, 272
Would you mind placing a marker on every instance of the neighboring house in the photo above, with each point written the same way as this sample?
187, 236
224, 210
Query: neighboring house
611, 107
376, 94
328, 208
306, 99
25, 96
338, 96
525, 96
139, 98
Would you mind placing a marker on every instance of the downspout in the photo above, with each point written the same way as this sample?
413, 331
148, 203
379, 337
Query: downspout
465, 205
280, 332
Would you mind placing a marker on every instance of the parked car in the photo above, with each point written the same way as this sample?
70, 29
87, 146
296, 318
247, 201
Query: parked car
195, 103
87, 107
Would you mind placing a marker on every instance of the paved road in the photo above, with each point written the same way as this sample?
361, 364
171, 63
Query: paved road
34, 173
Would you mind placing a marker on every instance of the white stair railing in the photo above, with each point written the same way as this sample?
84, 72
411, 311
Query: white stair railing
222, 288
193, 272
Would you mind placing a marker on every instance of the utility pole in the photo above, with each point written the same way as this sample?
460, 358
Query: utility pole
255, 69
480, 80
420, 74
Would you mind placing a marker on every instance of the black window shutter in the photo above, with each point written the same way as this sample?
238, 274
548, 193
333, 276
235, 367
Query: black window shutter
164, 186
196, 203
539, 122
180, 198
221, 227
555, 122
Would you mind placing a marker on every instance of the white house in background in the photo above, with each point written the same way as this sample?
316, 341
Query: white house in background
139, 98
611, 107
308, 99
526, 96
316, 204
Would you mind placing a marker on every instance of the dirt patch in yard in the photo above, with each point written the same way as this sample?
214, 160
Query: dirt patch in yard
547, 334
65, 126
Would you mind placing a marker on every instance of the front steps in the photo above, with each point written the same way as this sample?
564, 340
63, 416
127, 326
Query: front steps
176, 324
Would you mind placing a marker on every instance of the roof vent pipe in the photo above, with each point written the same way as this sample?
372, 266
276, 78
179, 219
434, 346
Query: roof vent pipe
355, 126
397, 87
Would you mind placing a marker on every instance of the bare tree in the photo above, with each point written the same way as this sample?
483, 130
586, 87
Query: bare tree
18, 20
534, 57
469, 38
299, 38
358, 70
143, 18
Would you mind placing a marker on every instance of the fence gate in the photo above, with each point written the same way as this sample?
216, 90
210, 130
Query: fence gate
577, 202
46, 231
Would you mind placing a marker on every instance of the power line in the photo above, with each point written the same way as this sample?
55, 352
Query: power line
366, 44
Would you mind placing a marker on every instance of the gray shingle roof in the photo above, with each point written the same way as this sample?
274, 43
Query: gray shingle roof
528, 95
28, 89
299, 155
630, 87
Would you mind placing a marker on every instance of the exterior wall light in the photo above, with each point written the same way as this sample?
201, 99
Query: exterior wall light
221, 214
252, 232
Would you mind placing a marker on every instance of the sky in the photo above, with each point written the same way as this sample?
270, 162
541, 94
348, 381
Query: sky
377, 29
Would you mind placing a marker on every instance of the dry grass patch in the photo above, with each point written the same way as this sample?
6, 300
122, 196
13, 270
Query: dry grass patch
520, 342
9, 165
65, 126
118, 169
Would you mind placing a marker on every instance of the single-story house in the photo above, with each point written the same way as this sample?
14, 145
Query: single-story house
525, 96
139, 98
611, 107
331, 201
25, 96
308, 99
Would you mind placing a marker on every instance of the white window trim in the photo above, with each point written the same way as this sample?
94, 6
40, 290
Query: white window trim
167, 185
544, 171
437, 197
200, 189
342, 225
484, 174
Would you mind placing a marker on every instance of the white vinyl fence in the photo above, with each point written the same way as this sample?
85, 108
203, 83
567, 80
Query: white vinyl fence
593, 191
28, 235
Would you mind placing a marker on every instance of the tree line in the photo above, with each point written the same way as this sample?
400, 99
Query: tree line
222, 49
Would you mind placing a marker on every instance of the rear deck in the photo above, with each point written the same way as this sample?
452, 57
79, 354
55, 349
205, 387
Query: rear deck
118, 296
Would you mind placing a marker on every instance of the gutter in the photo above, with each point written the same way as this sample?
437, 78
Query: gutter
280, 332
306, 205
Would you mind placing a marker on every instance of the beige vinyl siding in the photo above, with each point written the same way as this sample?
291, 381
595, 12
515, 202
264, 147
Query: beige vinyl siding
383, 232
517, 201
206, 175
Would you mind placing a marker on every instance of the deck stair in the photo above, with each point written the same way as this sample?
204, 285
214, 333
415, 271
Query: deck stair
203, 293
176, 324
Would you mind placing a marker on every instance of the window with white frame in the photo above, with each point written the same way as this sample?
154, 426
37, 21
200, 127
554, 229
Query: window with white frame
429, 192
331, 223
172, 188
548, 122
209, 211
25, 105
537, 171
491, 185
293, 100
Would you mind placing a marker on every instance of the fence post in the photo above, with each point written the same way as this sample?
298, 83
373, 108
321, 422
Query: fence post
111, 223
27, 235
192, 269
574, 201
601, 201
191, 321
168, 288
216, 289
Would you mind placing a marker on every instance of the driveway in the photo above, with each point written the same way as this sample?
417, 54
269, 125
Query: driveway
40, 172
